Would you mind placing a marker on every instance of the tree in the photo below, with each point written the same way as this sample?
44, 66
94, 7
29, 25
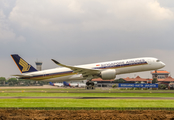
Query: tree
2, 80
114, 86
12, 81
162, 86
154, 80
121, 80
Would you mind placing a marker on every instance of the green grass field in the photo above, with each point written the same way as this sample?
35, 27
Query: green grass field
84, 103
86, 94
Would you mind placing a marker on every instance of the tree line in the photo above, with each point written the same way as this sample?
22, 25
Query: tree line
20, 82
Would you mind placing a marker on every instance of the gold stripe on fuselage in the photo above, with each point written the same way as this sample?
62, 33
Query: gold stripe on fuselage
52, 76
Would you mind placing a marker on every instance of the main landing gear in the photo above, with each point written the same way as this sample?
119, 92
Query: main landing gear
90, 85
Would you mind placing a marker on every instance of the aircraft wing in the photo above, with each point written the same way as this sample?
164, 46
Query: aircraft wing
83, 71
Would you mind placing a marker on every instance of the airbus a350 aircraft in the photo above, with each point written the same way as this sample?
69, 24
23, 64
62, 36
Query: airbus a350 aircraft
104, 70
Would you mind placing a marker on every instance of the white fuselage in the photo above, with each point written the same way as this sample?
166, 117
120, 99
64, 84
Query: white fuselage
58, 84
121, 67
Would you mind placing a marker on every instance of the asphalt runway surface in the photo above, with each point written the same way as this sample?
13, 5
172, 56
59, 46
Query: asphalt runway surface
86, 91
45, 91
150, 98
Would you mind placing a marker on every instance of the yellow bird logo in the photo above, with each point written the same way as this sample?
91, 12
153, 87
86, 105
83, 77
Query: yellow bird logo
25, 65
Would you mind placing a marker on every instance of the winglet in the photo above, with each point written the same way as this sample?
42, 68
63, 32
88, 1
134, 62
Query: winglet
55, 61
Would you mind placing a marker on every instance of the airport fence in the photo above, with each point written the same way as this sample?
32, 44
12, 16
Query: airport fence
88, 108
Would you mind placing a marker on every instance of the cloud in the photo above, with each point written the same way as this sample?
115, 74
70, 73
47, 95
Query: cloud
90, 15
85, 31
129, 15
6, 32
45, 15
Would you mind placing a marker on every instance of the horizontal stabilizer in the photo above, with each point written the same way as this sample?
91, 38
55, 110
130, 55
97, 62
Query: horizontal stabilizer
22, 75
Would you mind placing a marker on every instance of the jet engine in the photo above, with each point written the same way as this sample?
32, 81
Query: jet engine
108, 74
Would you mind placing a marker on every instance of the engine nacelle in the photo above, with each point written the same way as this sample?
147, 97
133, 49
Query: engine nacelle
108, 74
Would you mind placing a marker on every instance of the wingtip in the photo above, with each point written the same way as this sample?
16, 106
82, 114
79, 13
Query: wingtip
55, 61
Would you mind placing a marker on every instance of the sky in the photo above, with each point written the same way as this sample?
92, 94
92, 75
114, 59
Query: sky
76, 32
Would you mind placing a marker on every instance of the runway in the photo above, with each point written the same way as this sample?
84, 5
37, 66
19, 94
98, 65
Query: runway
146, 98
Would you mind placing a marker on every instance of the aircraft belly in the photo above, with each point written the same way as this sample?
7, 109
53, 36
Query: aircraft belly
76, 77
64, 78
133, 69
58, 79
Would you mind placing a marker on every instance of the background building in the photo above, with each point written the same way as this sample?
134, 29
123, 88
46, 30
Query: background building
160, 74
39, 66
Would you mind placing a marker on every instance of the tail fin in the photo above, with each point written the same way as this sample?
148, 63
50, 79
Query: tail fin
51, 83
66, 84
23, 66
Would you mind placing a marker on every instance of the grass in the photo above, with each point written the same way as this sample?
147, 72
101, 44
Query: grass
84, 103
55, 89
86, 94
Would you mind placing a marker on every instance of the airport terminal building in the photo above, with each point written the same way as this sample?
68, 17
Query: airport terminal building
161, 75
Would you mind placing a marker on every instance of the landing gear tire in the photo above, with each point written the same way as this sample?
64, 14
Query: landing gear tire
87, 87
90, 85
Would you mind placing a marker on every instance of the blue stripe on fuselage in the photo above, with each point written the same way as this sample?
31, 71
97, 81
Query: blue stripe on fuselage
122, 65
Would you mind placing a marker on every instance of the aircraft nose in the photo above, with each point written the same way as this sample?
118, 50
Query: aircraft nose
163, 65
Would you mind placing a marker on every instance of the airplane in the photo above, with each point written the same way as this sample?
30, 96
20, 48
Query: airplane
61, 84
68, 84
56, 84
104, 70
74, 84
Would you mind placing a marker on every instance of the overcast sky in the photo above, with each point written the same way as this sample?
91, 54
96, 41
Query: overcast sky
77, 32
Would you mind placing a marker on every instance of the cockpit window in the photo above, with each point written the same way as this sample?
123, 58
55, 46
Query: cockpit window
157, 60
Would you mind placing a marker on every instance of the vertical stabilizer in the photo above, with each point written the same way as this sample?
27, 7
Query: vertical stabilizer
51, 83
66, 84
23, 66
